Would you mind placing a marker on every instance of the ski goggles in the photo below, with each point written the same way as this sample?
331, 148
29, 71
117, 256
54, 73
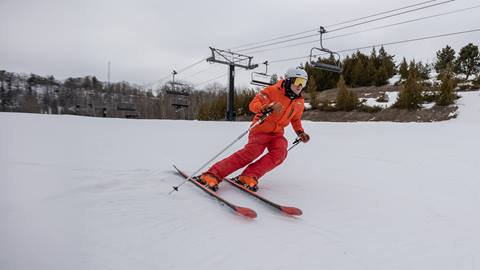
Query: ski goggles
299, 82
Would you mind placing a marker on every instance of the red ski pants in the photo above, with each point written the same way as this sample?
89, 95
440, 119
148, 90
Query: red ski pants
257, 142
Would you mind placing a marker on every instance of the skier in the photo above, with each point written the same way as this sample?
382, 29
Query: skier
285, 101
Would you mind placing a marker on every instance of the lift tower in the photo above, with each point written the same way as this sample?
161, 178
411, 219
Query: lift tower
232, 60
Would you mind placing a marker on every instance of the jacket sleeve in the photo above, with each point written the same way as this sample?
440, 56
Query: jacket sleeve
262, 98
297, 121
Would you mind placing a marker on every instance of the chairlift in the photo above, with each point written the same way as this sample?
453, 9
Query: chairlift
262, 78
317, 63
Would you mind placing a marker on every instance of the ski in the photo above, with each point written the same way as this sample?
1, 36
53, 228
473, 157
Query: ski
293, 211
244, 211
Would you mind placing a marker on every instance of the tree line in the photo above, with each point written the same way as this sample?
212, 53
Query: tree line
89, 96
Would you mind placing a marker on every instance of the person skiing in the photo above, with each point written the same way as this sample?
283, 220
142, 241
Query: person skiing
285, 102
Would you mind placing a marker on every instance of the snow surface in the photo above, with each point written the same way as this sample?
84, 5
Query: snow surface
391, 96
91, 193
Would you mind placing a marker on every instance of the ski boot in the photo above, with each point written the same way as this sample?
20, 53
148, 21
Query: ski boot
208, 180
248, 182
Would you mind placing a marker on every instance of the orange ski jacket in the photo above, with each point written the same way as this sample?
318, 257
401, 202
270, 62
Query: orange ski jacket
291, 112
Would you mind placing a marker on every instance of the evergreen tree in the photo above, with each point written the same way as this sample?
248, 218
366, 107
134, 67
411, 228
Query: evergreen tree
411, 96
445, 60
468, 60
311, 89
346, 100
403, 69
381, 76
422, 71
348, 64
362, 70
386, 61
370, 72
359, 76
374, 59
323, 79
447, 94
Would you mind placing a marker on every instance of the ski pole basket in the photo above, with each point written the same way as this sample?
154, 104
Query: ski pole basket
332, 64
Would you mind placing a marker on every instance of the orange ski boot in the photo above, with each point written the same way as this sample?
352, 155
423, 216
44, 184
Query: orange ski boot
249, 182
209, 180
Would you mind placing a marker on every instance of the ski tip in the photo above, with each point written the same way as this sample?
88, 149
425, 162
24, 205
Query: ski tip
292, 211
247, 212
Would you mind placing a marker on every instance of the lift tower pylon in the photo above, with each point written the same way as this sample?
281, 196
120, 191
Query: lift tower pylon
233, 60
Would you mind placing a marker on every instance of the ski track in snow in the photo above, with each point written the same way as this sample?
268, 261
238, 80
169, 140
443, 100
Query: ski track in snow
91, 193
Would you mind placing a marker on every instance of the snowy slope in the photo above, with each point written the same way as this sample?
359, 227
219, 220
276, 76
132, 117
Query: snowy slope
91, 193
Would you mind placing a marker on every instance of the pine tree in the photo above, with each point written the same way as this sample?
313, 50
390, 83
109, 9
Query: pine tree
372, 67
468, 60
374, 58
386, 61
423, 71
348, 64
447, 94
346, 100
381, 76
411, 96
445, 60
323, 79
370, 72
358, 73
403, 69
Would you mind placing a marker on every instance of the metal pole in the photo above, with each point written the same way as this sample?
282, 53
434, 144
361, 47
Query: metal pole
231, 94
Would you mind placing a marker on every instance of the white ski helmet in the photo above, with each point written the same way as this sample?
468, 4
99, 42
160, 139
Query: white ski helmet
296, 72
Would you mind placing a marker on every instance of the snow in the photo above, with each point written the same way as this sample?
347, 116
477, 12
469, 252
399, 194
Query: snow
307, 106
91, 193
428, 105
391, 97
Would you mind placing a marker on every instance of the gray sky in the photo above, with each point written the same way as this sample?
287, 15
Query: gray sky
146, 39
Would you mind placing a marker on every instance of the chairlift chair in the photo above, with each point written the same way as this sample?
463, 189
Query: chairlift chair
262, 78
317, 63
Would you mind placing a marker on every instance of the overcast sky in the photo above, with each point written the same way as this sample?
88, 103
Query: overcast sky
146, 39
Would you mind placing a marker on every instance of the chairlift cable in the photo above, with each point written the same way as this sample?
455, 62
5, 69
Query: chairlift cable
389, 16
383, 44
380, 13
209, 80
191, 65
353, 20
345, 27
367, 30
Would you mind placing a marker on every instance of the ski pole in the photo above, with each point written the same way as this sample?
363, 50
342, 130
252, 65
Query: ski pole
259, 122
295, 143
